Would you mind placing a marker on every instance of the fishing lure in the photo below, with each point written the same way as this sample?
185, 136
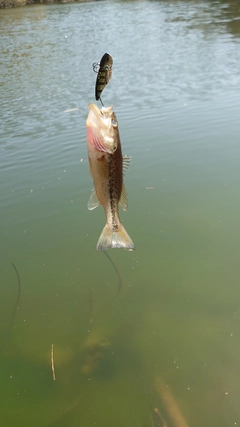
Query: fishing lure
104, 70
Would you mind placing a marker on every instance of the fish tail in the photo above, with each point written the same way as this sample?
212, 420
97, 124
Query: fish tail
114, 239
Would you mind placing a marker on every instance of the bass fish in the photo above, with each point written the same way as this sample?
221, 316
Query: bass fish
104, 74
107, 166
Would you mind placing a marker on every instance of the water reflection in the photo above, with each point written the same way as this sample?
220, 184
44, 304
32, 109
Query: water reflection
206, 15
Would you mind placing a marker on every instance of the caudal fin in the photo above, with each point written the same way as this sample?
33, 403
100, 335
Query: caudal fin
114, 239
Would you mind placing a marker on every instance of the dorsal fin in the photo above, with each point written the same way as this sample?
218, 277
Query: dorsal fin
126, 160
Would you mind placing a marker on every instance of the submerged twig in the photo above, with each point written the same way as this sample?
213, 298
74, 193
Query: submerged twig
170, 404
52, 363
19, 291
157, 418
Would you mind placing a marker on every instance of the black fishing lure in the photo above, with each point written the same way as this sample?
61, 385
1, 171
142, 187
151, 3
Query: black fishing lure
104, 70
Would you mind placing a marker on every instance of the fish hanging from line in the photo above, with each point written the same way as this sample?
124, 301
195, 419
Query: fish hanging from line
107, 166
104, 70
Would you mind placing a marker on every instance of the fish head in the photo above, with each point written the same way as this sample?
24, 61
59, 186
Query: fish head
102, 128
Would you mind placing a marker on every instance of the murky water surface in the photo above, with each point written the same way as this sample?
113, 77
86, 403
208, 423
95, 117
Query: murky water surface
171, 338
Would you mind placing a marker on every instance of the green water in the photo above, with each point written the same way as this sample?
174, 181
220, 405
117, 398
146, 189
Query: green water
174, 328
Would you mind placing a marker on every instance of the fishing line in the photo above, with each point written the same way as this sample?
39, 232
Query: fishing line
19, 291
9, 327
96, 68
103, 69
95, 53
119, 287
118, 274
95, 65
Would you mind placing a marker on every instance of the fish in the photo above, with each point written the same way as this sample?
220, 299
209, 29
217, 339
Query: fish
104, 74
107, 167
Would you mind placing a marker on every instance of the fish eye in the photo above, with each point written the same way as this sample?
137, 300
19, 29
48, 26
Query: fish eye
114, 122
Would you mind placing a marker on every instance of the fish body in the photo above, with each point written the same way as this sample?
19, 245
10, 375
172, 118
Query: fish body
107, 165
104, 74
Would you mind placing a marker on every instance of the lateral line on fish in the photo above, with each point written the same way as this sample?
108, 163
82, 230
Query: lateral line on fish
19, 291
111, 194
115, 223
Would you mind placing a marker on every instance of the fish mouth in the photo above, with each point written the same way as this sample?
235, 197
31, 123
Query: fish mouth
100, 112
97, 117
94, 109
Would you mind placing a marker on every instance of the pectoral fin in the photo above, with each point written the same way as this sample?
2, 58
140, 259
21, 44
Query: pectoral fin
93, 201
124, 198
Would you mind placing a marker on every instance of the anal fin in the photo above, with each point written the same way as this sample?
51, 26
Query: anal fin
123, 202
93, 201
